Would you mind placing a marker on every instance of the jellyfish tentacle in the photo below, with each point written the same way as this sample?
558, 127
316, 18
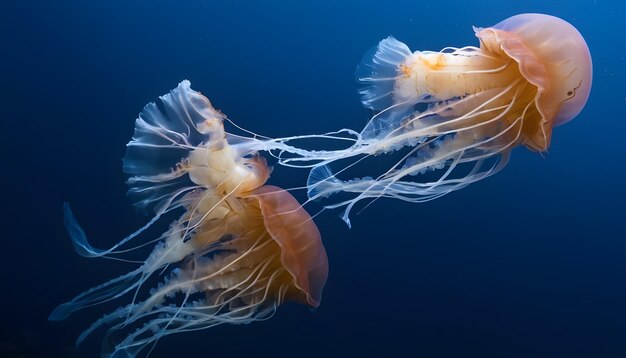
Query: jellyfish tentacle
170, 250
437, 122
156, 298
323, 183
178, 282
85, 249
79, 239
107, 291
195, 280
410, 133
190, 316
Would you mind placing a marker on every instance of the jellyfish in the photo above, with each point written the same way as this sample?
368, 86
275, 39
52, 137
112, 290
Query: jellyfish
237, 249
447, 119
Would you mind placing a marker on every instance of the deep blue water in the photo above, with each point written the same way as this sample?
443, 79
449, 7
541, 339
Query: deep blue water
529, 263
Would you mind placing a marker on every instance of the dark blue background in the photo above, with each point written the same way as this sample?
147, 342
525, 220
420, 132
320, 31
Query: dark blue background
529, 263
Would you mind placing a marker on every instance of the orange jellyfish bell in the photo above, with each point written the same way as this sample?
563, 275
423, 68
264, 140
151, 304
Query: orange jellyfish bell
302, 253
554, 57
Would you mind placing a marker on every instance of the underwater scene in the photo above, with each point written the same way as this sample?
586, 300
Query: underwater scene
313, 179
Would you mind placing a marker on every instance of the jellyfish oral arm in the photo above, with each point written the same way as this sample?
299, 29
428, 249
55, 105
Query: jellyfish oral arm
446, 75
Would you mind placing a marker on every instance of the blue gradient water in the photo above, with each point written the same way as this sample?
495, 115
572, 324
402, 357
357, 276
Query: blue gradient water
529, 263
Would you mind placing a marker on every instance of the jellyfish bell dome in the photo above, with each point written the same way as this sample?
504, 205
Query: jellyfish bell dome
553, 56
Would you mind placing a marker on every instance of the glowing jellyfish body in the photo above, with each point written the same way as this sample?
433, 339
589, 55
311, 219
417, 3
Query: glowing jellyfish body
238, 251
450, 118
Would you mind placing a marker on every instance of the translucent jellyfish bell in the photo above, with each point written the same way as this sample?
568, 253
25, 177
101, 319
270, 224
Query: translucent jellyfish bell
237, 251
